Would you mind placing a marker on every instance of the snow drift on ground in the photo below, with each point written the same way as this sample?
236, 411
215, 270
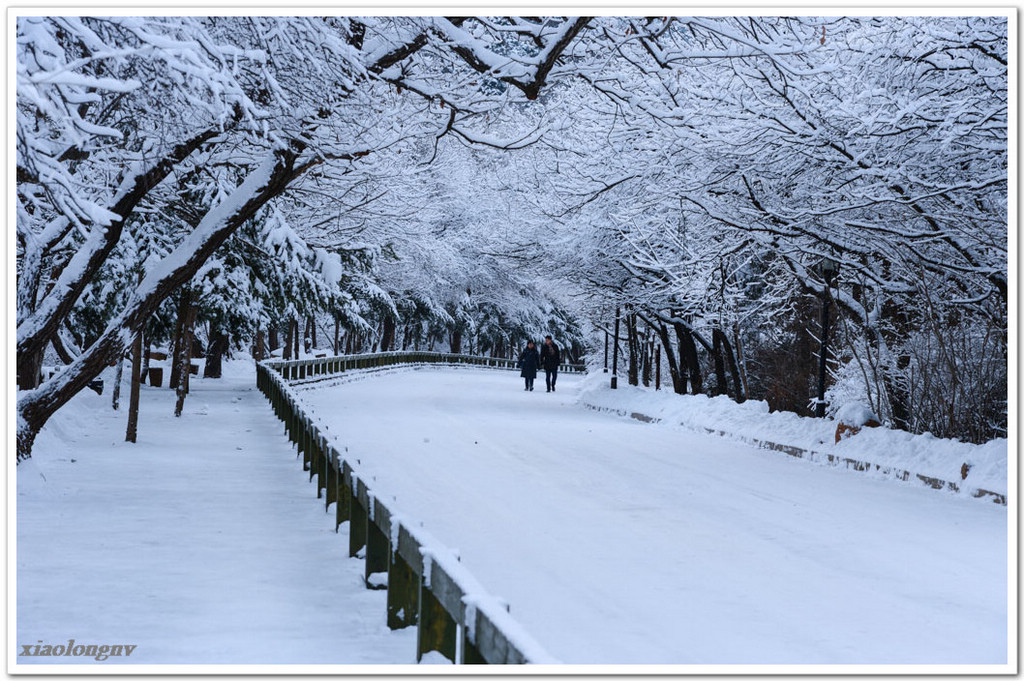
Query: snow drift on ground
920, 454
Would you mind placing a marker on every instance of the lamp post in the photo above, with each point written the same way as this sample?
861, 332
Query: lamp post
827, 269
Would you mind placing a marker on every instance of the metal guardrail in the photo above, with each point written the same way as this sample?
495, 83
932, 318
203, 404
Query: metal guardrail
424, 588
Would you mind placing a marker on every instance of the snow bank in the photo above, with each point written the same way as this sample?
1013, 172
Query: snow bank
947, 460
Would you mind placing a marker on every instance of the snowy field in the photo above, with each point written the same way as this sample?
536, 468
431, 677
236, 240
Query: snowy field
614, 542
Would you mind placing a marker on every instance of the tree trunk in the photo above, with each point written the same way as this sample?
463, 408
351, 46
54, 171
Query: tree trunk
648, 352
387, 336
131, 432
688, 357
219, 344
456, 342
186, 362
894, 331
899, 396
295, 337
62, 351
259, 346
678, 382
288, 344
184, 305
337, 336
30, 370
721, 384
147, 349
634, 348
115, 399
734, 369
741, 362
657, 368
272, 339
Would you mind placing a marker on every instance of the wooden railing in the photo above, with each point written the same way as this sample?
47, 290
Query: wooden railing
302, 369
427, 586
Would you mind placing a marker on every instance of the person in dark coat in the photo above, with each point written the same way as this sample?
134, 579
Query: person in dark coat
529, 360
549, 359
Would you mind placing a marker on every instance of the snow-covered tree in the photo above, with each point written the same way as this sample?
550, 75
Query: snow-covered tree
206, 121
468, 182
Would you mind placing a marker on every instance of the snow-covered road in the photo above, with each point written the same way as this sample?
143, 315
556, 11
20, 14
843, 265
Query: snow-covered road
617, 542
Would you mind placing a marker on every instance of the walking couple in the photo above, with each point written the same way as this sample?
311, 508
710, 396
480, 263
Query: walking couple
548, 357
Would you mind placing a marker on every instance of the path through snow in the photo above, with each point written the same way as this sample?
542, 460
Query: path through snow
617, 542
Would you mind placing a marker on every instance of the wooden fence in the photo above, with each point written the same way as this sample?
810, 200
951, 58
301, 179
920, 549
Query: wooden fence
303, 369
426, 586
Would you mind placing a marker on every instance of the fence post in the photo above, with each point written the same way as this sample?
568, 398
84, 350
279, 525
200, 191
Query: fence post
356, 523
314, 454
307, 462
289, 423
321, 466
437, 629
377, 549
332, 479
403, 592
343, 509
470, 654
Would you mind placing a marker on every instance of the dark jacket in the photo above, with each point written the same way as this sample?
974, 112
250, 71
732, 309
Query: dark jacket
550, 356
529, 360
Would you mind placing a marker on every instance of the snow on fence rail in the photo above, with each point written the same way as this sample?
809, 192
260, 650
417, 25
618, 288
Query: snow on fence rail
427, 586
